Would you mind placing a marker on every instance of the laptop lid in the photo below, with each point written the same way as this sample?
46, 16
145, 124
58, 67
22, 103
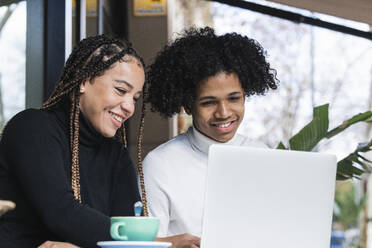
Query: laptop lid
265, 198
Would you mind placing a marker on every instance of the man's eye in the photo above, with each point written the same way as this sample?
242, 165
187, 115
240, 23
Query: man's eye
208, 103
235, 98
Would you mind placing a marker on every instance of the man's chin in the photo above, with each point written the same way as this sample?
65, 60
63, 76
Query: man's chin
223, 138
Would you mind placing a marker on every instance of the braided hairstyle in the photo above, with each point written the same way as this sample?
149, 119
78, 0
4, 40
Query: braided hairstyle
198, 54
89, 59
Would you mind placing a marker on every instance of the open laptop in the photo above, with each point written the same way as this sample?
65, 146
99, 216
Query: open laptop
265, 198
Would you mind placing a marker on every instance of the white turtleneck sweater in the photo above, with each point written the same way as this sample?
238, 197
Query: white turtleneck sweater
175, 174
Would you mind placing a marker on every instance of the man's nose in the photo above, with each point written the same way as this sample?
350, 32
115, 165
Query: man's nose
222, 111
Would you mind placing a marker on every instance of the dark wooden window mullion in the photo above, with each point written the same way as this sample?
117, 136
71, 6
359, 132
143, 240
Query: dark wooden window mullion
80, 30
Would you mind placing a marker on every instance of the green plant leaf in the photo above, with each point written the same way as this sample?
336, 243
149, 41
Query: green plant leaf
365, 147
340, 177
364, 165
349, 172
281, 146
365, 159
366, 116
352, 166
346, 169
369, 120
362, 203
309, 136
348, 207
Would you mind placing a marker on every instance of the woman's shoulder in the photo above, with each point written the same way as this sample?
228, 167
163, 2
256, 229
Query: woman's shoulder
29, 120
28, 116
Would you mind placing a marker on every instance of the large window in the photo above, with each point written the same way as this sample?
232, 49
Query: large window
12, 60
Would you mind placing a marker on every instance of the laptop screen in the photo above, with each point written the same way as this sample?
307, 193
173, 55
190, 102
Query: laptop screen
265, 198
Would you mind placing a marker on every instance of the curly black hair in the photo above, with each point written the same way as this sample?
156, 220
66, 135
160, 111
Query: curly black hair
198, 54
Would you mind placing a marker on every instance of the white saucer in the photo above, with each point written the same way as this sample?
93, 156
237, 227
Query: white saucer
133, 244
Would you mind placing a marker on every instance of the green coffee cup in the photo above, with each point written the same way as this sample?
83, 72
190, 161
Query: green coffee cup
139, 228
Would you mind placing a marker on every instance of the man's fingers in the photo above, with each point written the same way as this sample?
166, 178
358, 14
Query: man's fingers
196, 241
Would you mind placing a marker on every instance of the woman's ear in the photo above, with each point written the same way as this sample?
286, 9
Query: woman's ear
82, 89
82, 86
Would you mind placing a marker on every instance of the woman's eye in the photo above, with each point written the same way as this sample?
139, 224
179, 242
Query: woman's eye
121, 91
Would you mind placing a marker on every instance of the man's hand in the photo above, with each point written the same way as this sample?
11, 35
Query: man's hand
54, 244
185, 240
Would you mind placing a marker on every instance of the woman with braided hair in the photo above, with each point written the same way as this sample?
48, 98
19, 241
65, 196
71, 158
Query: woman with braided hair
209, 76
65, 165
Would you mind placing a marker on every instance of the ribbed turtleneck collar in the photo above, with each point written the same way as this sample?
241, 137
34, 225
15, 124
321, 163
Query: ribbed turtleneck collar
88, 136
202, 143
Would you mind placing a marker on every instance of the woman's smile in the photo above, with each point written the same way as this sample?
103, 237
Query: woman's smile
116, 119
109, 100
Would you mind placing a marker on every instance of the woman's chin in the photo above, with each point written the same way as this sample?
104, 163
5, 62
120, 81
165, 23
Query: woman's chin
108, 133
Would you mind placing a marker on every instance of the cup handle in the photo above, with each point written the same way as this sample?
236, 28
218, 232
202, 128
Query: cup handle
114, 230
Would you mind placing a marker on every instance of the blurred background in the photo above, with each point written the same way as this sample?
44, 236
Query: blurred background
321, 50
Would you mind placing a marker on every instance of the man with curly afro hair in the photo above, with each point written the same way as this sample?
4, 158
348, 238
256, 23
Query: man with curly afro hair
209, 76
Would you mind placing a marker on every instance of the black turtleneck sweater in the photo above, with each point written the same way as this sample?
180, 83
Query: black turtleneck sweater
35, 173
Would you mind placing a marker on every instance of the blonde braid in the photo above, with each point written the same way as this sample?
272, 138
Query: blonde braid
53, 100
124, 138
71, 120
139, 160
75, 177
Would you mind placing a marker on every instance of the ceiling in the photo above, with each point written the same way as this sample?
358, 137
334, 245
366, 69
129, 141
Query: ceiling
357, 10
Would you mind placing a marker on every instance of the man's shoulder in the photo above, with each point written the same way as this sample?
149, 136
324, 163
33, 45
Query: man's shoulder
169, 151
172, 146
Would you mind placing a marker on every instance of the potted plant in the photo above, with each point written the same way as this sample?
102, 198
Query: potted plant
353, 165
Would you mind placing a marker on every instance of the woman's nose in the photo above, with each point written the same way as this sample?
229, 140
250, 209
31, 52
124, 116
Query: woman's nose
128, 107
